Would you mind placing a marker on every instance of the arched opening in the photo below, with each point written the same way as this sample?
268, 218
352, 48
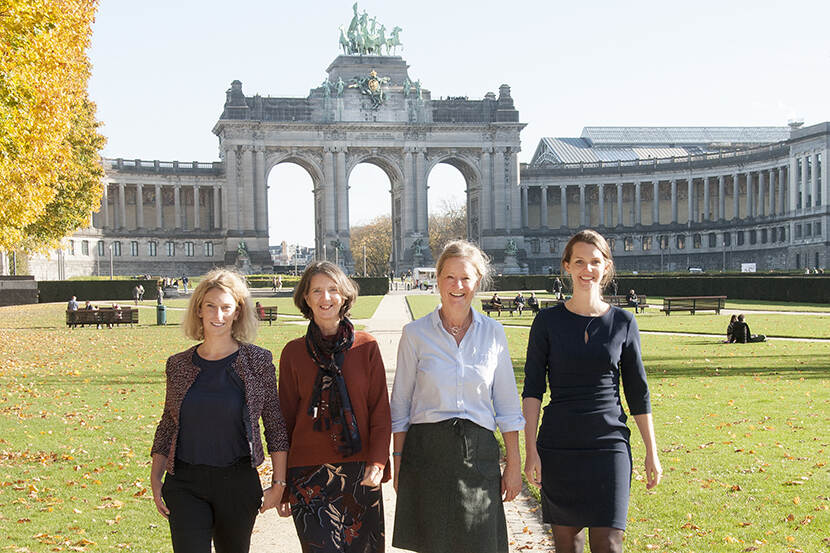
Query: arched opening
447, 204
370, 219
291, 217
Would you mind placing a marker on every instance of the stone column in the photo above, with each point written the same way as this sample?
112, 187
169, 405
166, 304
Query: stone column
197, 223
230, 192
498, 188
139, 206
721, 198
619, 204
706, 198
771, 195
736, 204
177, 205
486, 221
601, 196
342, 191
792, 177
637, 199
655, 203
814, 172
158, 202
216, 211
750, 195
514, 202
122, 206
105, 208
674, 201
260, 193
825, 187
543, 207
804, 183
329, 195
690, 197
761, 185
407, 209
523, 190
421, 182
582, 216
563, 204
782, 189
247, 199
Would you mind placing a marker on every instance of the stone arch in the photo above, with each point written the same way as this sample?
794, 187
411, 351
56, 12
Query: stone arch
387, 163
470, 170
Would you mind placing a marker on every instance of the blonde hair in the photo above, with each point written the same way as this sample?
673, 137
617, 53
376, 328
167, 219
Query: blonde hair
244, 328
346, 286
469, 252
595, 239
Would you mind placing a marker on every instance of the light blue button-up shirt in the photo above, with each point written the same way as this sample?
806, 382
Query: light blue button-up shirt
437, 379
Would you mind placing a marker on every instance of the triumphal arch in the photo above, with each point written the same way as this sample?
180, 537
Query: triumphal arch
370, 110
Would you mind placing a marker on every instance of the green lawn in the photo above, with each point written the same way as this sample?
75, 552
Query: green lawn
771, 324
743, 433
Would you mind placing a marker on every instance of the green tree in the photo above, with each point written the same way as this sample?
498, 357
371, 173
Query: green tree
450, 223
377, 237
50, 168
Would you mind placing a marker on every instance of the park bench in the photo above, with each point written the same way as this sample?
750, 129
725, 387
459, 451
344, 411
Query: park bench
268, 314
506, 305
694, 303
544, 304
102, 316
622, 301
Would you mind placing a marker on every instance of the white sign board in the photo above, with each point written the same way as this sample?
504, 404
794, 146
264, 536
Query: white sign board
747, 267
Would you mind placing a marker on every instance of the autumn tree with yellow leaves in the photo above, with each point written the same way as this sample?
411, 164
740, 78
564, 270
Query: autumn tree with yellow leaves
50, 167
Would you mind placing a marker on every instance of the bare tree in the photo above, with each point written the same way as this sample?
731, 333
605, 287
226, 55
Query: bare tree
450, 223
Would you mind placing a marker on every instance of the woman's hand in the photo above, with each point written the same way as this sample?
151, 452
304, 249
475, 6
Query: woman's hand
511, 481
654, 471
372, 476
533, 467
284, 509
271, 497
156, 473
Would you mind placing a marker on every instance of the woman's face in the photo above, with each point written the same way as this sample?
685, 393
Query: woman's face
457, 283
218, 312
587, 266
324, 299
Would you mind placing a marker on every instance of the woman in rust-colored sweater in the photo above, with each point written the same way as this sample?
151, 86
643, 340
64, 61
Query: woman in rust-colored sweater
333, 395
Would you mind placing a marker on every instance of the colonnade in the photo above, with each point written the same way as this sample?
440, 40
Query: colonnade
182, 217
793, 184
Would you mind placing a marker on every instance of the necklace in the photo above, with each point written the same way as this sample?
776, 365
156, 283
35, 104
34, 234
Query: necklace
456, 330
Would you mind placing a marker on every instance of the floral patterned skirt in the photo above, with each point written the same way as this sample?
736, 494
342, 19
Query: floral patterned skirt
333, 512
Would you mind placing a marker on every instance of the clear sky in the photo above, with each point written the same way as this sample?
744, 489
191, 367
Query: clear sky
161, 68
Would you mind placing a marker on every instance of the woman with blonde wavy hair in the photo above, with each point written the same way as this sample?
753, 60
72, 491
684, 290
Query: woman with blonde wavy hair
208, 440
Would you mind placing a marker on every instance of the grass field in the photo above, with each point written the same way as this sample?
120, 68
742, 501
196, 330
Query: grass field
743, 431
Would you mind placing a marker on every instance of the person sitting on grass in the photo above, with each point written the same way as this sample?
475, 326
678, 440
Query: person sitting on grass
742, 333
519, 301
730, 330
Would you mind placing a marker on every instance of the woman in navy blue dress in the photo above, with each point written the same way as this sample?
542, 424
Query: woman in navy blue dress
581, 458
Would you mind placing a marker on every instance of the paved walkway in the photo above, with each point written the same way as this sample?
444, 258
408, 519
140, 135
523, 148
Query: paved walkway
527, 533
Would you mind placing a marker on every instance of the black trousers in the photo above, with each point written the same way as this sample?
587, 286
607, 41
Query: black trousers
212, 503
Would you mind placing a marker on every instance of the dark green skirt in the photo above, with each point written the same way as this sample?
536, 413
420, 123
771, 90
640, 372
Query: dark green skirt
449, 490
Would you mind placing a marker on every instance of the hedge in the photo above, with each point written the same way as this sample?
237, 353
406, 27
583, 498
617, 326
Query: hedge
372, 286
522, 282
93, 290
801, 288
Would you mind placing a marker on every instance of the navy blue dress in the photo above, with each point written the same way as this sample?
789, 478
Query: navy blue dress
583, 441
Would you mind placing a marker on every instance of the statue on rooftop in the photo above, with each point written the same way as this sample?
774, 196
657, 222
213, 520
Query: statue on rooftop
367, 36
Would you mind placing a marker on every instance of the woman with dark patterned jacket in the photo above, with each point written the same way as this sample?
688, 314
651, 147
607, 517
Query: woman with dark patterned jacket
208, 440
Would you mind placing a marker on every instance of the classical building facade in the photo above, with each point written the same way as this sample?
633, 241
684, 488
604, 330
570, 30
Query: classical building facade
185, 217
676, 198
668, 198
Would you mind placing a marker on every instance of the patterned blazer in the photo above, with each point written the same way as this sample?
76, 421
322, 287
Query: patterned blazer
255, 367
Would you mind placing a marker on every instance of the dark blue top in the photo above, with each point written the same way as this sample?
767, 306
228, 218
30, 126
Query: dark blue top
211, 420
585, 410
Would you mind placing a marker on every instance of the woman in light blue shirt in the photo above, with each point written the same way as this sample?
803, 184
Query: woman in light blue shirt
454, 385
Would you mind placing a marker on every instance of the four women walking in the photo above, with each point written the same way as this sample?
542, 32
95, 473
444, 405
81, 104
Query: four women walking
328, 425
